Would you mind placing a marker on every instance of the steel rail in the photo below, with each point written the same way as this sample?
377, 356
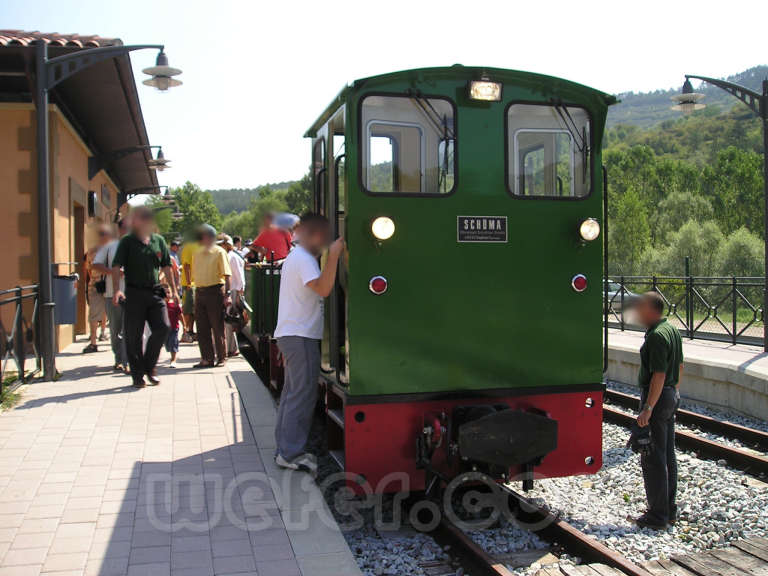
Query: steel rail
556, 530
478, 557
707, 423
754, 464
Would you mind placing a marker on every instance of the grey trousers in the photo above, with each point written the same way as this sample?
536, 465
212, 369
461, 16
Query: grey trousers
299, 395
116, 332
229, 331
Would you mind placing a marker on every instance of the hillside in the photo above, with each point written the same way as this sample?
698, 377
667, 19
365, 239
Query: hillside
646, 109
239, 199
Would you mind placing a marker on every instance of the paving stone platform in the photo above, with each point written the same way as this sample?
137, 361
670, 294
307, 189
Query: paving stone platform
100, 479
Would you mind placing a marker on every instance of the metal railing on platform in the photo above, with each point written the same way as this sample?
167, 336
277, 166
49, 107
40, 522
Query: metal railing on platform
725, 309
19, 335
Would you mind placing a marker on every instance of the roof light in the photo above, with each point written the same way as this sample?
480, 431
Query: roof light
485, 90
579, 282
378, 285
589, 229
383, 228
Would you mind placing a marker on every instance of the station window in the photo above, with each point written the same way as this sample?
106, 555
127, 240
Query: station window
408, 145
549, 151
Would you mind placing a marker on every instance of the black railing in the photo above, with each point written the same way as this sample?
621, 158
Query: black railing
263, 293
726, 309
19, 334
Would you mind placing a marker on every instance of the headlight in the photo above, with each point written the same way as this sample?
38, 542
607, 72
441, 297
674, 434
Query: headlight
484, 89
383, 228
589, 229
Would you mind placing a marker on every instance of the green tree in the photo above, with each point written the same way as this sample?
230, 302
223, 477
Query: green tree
699, 241
742, 254
197, 208
629, 233
676, 209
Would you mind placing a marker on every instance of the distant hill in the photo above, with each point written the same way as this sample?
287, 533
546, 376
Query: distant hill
239, 199
646, 109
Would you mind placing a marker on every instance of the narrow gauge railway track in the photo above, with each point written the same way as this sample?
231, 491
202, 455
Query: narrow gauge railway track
748, 461
607, 562
750, 436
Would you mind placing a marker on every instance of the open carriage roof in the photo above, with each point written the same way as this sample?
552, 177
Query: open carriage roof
541, 82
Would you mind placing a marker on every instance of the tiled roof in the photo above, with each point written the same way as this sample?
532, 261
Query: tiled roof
25, 38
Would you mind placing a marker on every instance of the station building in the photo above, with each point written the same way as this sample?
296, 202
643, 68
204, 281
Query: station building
93, 114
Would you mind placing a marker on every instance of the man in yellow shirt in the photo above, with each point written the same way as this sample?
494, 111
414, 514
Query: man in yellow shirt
210, 273
188, 289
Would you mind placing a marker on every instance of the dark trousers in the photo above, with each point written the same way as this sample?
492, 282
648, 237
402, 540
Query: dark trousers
144, 305
660, 465
209, 316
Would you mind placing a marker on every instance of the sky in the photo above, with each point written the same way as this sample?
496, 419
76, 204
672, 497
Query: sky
257, 74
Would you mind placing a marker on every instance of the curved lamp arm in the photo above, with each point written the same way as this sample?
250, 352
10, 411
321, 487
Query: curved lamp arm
755, 100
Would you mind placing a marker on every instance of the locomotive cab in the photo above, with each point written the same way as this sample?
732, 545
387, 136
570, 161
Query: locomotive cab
464, 331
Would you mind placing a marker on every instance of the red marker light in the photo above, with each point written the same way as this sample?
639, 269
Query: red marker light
579, 282
378, 285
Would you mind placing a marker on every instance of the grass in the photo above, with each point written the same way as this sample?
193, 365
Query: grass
9, 399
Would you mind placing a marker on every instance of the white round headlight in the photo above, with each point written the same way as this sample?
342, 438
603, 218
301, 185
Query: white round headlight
589, 229
383, 228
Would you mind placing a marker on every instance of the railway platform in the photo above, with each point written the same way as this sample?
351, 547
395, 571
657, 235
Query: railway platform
100, 479
718, 373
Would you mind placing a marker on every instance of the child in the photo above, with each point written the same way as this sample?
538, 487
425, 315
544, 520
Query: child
174, 313
299, 331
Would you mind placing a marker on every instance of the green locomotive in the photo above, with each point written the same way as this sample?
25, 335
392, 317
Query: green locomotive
465, 329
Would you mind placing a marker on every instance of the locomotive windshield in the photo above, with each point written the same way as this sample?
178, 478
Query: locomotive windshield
549, 148
408, 145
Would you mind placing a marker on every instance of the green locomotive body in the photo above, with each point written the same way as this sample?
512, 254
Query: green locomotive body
469, 199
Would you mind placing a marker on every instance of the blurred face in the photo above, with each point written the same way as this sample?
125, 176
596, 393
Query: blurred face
143, 222
174, 247
316, 238
105, 235
646, 314
207, 240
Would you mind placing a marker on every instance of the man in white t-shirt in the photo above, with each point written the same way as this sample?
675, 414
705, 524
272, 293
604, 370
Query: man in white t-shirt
303, 286
102, 263
236, 288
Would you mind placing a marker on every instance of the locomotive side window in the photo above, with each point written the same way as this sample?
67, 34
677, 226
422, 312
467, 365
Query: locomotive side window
549, 151
408, 145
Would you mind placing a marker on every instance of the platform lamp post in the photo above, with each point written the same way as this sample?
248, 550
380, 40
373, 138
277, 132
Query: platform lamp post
688, 101
48, 73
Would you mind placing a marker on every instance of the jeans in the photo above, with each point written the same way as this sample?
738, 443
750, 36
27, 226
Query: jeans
117, 332
144, 305
299, 395
660, 465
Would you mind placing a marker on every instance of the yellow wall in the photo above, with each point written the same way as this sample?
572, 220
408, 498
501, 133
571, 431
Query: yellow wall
69, 190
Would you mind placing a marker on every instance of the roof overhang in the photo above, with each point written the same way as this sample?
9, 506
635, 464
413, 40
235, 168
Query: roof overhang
100, 101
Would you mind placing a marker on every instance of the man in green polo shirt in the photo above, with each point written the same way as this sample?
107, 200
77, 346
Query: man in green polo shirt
661, 365
141, 254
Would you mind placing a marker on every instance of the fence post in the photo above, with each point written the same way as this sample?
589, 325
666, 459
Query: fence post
621, 291
734, 305
18, 339
688, 300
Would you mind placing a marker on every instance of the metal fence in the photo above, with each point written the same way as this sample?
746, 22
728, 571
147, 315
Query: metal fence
726, 309
19, 334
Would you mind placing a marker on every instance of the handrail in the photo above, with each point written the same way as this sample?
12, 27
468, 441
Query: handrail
22, 337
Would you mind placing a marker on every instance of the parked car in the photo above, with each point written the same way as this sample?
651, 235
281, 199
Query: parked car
614, 300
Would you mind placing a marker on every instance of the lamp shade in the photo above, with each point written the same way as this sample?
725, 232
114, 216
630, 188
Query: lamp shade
688, 100
162, 74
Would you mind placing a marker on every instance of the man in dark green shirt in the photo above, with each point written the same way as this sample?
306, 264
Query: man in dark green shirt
141, 254
661, 364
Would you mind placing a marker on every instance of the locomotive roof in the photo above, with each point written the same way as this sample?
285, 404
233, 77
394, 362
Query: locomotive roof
458, 71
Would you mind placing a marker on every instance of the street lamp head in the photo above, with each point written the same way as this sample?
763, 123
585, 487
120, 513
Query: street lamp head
688, 100
162, 74
160, 163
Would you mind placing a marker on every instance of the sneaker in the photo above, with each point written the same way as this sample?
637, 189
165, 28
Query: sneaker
153, 379
139, 383
648, 521
172, 365
186, 338
102, 337
90, 348
304, 462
